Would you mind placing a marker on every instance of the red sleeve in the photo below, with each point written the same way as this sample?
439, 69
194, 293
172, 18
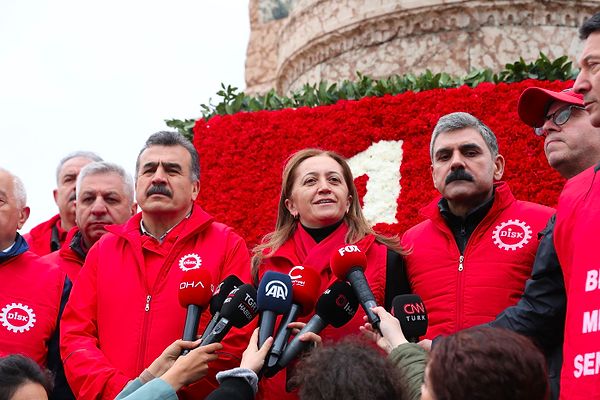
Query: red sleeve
88, 372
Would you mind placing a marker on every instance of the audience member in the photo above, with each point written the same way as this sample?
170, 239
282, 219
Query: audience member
50, 235
22, 379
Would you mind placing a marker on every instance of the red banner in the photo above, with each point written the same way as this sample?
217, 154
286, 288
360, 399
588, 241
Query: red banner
386, 140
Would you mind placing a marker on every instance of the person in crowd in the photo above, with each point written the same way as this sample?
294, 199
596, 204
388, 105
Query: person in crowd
479, 363
104, 196
470, 258
49, 236
350, 370
22, 379
575, 233
124, 310
571, 145
319, 212
31, 290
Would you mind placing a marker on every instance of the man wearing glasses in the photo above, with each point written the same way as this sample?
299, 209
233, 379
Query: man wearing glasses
571, 145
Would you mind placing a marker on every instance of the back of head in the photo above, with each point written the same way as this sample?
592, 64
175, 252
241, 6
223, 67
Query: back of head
590, 26
349, 370
485, 363
17, 370
462, 120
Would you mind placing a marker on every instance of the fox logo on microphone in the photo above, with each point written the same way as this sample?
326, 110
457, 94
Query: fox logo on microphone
349, 249
276, 289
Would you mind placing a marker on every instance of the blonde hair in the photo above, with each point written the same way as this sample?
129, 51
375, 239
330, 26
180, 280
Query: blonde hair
285, 226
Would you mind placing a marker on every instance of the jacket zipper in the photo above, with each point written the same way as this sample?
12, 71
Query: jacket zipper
148, 298
459, 293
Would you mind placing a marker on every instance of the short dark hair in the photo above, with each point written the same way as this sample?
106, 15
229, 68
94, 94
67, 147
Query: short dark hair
590, 26
170, 138
16, 370
484, 363
351, 369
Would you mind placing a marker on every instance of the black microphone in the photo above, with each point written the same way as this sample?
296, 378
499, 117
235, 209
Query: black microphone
348, 263
238, 310
194, 294
305, 289
409, 309
274, 297
336, 306
216, 302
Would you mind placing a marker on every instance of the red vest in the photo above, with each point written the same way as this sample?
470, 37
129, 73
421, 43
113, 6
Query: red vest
119, 319
30, 293
463, 291
301, 249
576, 242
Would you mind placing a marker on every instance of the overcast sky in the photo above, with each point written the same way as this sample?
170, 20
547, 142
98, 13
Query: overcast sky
103, 76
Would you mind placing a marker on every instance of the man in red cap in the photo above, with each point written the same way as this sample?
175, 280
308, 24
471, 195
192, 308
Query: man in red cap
576, 241
571, 145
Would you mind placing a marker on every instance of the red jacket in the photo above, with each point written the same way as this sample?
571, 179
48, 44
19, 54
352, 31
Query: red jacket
40, 236
301, 249
30, 294
115, 324
576, 242
463, 291
66, 258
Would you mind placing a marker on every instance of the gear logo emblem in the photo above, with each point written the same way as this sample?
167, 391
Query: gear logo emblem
189, 262
17, 317
511, 235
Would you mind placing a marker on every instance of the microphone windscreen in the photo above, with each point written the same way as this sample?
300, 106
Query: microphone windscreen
305, 288
409, 309
338, 304
195, 288
275, 292
346, 258
240, 306
222, 291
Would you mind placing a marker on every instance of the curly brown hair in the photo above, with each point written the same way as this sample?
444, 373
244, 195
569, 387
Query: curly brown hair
484, 363
351, 369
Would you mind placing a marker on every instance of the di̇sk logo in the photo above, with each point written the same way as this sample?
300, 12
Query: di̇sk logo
511, 235
17, 317
276, 289
189, 262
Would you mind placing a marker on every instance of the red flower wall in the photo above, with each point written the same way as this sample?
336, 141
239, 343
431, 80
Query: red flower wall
242, 155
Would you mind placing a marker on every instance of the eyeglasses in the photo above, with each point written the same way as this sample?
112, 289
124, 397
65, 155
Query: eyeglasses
559, 117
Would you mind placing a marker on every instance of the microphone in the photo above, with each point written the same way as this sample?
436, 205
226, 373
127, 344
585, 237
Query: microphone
274, 297
194, 294
305, 289
336, 306
216, 302
348, 263
409, 309
239, 308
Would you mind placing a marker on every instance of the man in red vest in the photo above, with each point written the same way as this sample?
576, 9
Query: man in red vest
470, 258
50, 235
576, 241
124, 310
30, 289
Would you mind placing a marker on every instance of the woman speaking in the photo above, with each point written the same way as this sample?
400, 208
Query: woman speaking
318, 213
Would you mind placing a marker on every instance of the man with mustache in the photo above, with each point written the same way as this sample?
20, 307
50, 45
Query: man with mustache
124, 310
576, 238
49, 236
470, 259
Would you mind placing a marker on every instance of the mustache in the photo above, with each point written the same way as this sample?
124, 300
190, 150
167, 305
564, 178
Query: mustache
159, 189
459, 175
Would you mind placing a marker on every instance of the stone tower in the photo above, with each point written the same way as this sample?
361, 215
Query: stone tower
293, 42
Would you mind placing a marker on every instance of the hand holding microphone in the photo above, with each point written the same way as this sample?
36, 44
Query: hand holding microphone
195, 291
348, 263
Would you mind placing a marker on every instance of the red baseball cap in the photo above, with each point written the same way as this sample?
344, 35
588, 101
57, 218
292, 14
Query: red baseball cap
534, 103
